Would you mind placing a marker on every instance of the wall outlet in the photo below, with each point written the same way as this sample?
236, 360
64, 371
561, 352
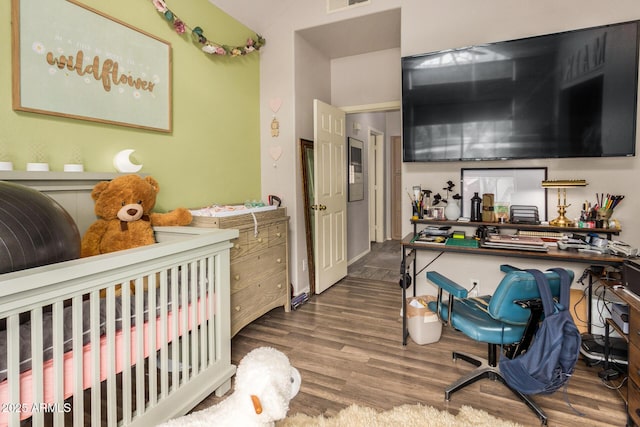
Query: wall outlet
474, 290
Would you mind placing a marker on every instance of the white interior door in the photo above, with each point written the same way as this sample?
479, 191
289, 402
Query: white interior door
330, 195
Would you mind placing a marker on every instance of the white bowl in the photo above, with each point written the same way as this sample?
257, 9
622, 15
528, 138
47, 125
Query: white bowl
38, 167
74, 167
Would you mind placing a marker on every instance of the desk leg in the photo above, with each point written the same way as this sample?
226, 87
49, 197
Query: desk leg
606, 346
589, 296
403, 285
408, 258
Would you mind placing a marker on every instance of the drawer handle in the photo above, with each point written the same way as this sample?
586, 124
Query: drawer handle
279, 285
259, 239
237, 308
278, 234
279, 260
237, 277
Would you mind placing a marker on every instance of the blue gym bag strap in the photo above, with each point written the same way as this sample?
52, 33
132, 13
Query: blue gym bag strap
545, 291
565, 286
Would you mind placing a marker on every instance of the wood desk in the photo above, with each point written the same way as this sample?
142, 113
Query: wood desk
408, 267
632, 397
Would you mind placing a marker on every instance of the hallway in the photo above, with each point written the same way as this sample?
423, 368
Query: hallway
382, 263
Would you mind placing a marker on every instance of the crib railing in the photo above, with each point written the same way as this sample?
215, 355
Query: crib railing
129, 338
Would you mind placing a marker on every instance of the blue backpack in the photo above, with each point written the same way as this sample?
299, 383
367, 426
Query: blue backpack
551, 358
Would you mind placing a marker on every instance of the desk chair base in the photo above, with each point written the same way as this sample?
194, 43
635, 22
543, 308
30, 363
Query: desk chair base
484, 369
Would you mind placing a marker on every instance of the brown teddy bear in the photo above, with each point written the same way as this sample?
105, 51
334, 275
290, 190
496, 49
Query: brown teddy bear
125, 220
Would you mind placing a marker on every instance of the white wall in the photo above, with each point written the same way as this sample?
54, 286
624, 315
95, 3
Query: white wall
427, 25
312, 81
365, 79
358, 240
433, 25
295, 72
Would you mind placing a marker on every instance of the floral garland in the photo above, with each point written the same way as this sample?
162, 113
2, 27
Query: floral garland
207, 45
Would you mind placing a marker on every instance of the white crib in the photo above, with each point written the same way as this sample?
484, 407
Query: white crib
76, 382
136, 337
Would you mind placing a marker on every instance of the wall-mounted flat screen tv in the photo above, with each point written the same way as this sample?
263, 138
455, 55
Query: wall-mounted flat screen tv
570, 94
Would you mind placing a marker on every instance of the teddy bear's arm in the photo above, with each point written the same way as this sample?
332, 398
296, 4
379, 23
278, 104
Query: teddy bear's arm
90, 244
178, 216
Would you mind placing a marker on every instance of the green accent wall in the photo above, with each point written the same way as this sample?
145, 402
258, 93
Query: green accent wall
213, 153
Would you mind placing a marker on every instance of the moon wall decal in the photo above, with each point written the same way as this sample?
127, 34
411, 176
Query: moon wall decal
122, 162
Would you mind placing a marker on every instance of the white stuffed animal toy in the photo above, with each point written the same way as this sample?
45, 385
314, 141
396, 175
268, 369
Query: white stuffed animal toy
265, 383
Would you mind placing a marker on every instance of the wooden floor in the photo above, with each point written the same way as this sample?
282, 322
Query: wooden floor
347, 344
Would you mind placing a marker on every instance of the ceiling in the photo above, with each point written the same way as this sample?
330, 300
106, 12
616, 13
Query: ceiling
356, 36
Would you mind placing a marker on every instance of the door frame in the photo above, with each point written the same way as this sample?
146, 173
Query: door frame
307, 195
375, 184
395, 176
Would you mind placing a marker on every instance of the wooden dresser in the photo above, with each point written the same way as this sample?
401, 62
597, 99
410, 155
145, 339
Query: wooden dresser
633, 385
633, 339
259, 263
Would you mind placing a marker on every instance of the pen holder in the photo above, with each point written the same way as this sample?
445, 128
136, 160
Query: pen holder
417, 210
604, 214
602, 218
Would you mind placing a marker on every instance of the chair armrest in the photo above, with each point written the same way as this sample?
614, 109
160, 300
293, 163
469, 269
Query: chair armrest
447, 284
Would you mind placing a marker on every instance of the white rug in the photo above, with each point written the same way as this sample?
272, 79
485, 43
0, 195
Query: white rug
405, 416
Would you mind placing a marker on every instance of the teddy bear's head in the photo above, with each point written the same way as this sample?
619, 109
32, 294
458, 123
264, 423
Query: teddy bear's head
126, 198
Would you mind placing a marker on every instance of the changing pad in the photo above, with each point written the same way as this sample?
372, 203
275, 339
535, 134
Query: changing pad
229, 210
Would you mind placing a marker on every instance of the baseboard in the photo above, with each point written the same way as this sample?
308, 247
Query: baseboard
358, 257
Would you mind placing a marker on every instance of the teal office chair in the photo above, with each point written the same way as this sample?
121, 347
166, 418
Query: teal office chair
508, 320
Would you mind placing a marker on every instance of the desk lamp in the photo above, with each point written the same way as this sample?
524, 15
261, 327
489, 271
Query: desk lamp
563, 184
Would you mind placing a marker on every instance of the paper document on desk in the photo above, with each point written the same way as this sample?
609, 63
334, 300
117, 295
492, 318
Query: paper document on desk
523, 243
516, 239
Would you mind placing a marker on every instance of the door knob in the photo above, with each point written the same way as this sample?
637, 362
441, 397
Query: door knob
318, 207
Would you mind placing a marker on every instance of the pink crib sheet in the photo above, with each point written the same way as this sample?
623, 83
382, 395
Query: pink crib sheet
27, 404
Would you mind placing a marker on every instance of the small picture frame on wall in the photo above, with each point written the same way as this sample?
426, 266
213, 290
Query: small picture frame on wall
438, 213
355, 172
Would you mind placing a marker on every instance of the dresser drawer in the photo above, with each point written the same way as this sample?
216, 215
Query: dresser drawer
633, 391
256, 299
634, 363
278, 233
257, 267
634, 327
248, 242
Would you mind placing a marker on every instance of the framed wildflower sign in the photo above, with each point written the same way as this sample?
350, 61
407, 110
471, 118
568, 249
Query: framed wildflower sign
70, 60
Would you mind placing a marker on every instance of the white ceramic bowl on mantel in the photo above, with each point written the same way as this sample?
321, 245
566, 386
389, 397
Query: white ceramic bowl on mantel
73, 167
38, 167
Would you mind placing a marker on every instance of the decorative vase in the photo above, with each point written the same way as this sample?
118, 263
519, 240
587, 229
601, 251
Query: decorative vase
452, 211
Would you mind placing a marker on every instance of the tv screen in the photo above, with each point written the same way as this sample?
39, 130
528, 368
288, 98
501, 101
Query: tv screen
570, 94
